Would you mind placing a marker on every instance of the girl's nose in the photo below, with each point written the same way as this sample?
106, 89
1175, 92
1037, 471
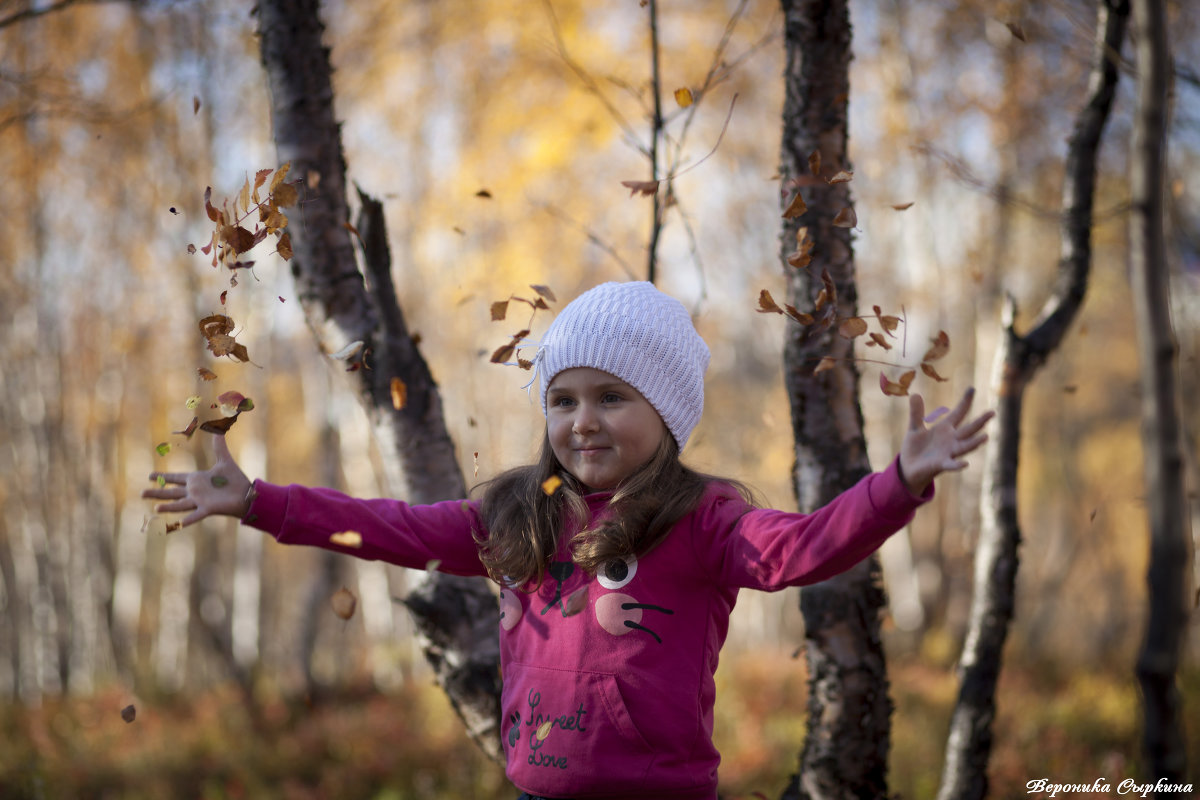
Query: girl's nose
586, 420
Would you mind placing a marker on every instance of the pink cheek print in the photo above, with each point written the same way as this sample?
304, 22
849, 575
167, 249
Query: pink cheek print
619, 614
510, 609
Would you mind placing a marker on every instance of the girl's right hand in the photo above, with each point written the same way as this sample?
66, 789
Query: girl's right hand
224, 489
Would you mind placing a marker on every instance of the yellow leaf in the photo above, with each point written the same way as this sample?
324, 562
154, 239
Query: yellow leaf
399, 393
280, 174
544, 729
551, 484
347, 539
683, 97
285, 195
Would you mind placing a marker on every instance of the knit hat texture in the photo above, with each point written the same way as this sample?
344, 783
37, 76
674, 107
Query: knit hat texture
642, 336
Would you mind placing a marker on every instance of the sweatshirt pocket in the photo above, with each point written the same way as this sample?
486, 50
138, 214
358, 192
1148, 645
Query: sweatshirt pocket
569, 733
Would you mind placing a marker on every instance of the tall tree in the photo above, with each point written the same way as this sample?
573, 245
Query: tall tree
1166, 756
845, 751
419, 459
1017, 360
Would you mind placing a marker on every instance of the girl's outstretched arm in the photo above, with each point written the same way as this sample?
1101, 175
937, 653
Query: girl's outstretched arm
223, 489
928, 452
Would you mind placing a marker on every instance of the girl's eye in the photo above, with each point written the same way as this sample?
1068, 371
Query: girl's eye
617, 574
611, 397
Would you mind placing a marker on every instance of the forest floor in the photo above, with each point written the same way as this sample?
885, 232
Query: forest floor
1065, 726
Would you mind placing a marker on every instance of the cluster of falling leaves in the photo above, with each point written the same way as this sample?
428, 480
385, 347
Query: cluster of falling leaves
238, 226
824, 314
499, 309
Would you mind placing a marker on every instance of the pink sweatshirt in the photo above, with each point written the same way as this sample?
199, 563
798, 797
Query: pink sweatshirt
608, 681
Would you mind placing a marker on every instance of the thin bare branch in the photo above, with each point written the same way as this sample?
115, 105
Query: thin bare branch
33, 13
591, 235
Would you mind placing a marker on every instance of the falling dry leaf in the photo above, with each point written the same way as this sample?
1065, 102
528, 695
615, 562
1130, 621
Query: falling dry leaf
814, 162
544, 729
933, 373
343, 603
846, 218
484, 193
284, 248
941, 346
551, 484
399, 393
767, 304
799, 316
190, 429
842, 176
346, 539
499, 310
683, 97
645, 188
432, 564
206, 374
219, 426
795, 208
898, 388
852, 327
902, 206
1016, 30
544, 291
576, 601
826, 363
129, 713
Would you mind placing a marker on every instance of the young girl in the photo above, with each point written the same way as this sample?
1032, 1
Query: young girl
618, 565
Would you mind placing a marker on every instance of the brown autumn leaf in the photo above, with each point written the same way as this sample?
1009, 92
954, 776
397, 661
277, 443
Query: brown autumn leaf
814, 162
284, 248
484, 194
799, 260
644, 188
343, 603
544, 291
206, 374
898, 388
285, 195
799, 316
195, 105
852, 327
826, 363
903, 206
846, 218
190, 429
505, 352
767, 304
576, 601
887, 322
683, 97
260, 177
795, 208
129, 713
399, 393
877, 339
928, 369
842, 176
280, 174
1016, 30
209, 208
219, 426
941, 346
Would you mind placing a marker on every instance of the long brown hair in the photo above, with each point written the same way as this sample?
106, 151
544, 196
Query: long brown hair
524, 523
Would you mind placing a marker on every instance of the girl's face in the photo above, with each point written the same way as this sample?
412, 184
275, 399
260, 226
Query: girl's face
601, 428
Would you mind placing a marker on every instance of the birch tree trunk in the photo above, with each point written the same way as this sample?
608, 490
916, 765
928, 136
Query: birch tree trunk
1018, 358
845, 751
417, 451
1163, 745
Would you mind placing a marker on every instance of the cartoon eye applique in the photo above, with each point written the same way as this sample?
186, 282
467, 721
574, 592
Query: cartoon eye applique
617, 574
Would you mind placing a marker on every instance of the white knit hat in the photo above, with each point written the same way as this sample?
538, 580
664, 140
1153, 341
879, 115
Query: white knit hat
639, 334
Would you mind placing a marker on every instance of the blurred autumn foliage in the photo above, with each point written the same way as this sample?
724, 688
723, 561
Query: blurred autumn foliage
498, 136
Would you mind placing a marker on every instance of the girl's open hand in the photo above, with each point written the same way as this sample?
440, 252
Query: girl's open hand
223, 489
928, 452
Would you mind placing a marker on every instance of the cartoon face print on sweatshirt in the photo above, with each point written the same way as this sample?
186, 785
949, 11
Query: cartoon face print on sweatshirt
566, 592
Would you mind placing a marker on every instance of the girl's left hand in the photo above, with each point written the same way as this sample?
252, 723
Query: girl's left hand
928, 452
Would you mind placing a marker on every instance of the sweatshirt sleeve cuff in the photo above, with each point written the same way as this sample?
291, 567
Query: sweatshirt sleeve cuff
268, 509
893, 493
